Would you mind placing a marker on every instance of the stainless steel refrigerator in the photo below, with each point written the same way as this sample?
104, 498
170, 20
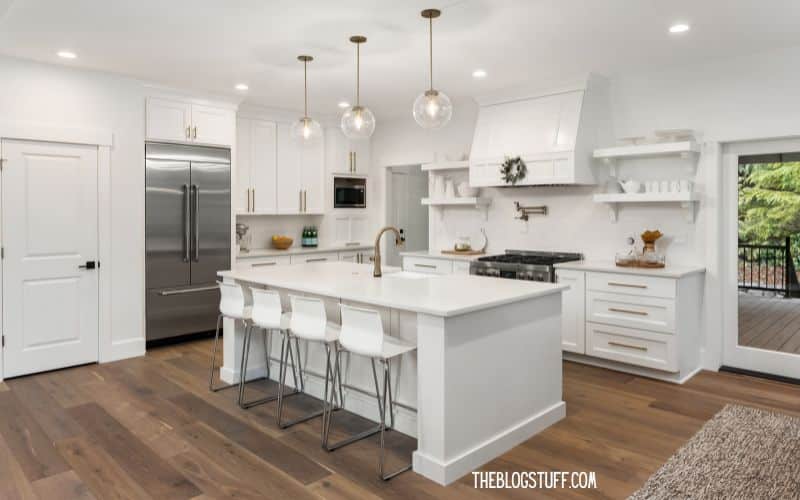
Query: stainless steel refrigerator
188, 236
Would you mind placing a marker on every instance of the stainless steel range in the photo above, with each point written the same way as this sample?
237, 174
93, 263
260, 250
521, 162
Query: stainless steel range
522, 265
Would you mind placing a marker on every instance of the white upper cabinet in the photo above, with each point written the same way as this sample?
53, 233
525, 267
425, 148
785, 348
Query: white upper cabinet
554, 132
175, 120
256, 166
346, 156
312, 159
169, 120
288, 179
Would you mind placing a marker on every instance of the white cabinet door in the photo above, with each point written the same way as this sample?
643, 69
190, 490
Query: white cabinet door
314, 257
212, 125
264, 167
168, 120
49, 223
261, 262
312, 158
573, 310
360, 150
244, 155
359, 226
349, 256
289, 173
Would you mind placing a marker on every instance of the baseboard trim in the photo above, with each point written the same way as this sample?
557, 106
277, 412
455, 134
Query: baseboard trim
753, 373
675, 378
446, 473
125, 349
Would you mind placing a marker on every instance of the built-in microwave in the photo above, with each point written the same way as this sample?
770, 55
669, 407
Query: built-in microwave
349, 192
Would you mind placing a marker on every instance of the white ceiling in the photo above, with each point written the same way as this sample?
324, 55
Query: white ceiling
210, 45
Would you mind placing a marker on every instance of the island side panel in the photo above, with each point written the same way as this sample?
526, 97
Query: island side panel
487, 381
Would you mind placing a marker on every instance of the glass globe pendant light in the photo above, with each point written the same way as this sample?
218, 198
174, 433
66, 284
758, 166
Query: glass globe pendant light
305, 130
432, 109
358, 122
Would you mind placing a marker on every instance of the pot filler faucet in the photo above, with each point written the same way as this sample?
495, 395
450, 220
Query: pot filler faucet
398, 240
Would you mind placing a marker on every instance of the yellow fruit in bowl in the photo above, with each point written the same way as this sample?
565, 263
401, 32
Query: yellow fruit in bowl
281, 242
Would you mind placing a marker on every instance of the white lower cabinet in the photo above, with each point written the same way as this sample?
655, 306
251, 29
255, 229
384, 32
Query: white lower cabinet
427, 266
314, 257
256, 262
573, 310
643, 321
358, 256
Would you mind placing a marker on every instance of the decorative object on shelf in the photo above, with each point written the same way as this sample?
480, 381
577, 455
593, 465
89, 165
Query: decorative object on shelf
449, 188
305, 130
613, 187
524, 212
242, 242
513, 170
675, 135
648, 258
432, 109
358, 122
466, 191
462, 244
309, 237
630, 186
485, 241
281, 242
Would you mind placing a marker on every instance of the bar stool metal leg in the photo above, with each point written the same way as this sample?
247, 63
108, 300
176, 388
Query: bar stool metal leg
243, 403
387, 394
322, 412
214, 361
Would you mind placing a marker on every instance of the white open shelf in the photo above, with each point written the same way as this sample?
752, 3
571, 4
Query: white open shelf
683, 149
687, 201
446, 165
465, 201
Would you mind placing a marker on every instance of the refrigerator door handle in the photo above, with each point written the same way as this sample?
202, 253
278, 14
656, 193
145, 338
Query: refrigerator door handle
196, 222
186, 223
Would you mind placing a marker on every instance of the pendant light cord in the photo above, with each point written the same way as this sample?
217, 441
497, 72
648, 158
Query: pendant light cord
358, 74
430, 45
305, 82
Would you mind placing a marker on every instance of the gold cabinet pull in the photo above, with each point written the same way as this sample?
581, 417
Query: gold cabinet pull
628, 285
300, 193
248, 199
254, 199
355, 161
628, 346
188, 132
628, 311
194, 132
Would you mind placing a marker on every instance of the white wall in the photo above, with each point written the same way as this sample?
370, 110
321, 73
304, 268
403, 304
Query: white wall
746, 97
55, 95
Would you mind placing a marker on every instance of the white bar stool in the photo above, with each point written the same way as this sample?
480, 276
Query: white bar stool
362, 334
232, 306
267, 314
309, 322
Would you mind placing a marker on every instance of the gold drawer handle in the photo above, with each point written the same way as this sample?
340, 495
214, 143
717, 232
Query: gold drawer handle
425, 266
262, 264
618, 344
628, 311
629, 285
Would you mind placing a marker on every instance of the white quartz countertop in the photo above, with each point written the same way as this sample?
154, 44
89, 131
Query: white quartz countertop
609, 267
437, 295
298, 250
436, 254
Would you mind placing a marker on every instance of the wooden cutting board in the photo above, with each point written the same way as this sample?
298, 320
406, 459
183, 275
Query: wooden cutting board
465, 253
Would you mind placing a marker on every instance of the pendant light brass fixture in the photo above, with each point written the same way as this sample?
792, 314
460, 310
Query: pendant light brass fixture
432, 109
358, 122
305, 130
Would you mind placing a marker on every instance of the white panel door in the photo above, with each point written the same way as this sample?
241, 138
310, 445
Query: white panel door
211, 125
244, 162
573, 310
264, 166
168, 120
289, 174
50, 313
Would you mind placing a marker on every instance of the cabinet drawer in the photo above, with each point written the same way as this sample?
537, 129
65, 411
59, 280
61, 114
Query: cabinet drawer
260, 262
314, 257
460, 267
636, 347
649, 313
631, 284
430, 266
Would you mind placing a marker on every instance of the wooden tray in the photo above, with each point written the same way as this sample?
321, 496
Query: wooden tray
643, 264
463, 252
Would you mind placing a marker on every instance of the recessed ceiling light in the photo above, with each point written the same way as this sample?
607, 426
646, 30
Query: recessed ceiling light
66, 54
479, 73
344, 104
241, 86
679, 28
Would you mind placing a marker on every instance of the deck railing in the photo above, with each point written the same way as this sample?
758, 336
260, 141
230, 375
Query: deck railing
768, 268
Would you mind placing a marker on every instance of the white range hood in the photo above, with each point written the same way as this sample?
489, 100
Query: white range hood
553, 130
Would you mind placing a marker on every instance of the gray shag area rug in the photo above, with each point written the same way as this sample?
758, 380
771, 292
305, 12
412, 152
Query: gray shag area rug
741, 453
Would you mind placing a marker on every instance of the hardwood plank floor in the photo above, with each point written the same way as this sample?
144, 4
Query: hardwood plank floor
771, 323
148, 428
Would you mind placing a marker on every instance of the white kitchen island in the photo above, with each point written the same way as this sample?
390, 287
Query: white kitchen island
487, 372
